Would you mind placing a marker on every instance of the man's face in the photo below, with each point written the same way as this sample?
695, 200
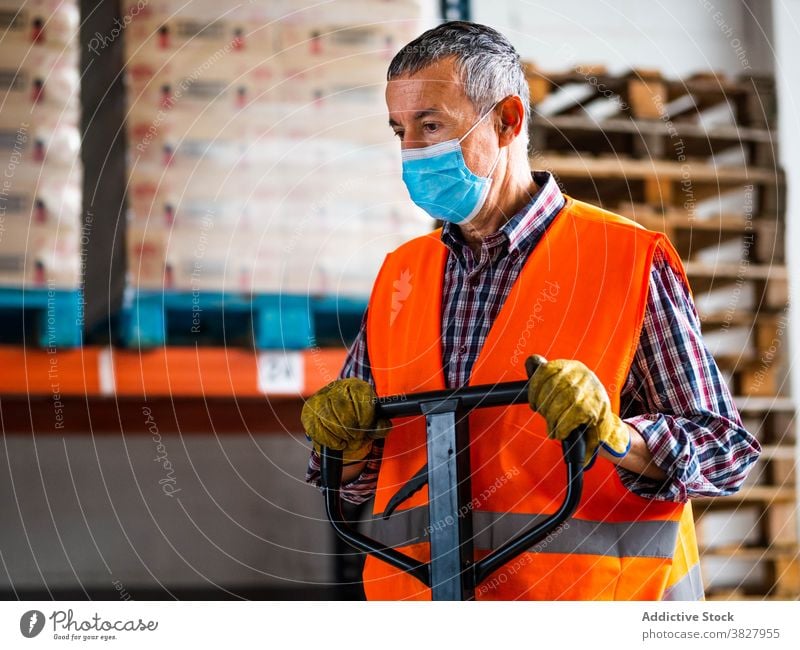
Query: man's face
431, 107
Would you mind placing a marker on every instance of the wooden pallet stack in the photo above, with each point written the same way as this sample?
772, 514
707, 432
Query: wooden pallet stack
696, 159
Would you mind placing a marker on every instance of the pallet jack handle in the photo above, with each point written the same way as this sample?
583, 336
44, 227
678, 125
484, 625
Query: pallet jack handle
452, 574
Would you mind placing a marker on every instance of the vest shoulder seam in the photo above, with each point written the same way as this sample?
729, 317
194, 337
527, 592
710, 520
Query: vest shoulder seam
595, 214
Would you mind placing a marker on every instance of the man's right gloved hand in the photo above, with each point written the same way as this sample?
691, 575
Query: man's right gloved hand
341, 415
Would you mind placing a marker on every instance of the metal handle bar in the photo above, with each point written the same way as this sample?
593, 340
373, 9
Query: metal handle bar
502, 394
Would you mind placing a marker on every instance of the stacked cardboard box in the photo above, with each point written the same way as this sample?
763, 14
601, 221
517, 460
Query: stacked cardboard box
40, 179
259, 152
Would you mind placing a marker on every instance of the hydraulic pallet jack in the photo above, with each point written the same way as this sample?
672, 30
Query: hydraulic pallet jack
452, 573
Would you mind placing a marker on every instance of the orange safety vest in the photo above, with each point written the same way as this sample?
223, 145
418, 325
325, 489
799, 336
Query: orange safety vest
581, 295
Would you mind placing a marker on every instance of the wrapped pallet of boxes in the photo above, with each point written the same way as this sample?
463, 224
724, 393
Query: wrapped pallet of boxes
40, 190
41, 178
260, 157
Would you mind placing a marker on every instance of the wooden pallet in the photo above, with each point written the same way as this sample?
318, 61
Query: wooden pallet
661, 184
764, 324
651, 149
646, 94
264, 321
752, 552
761, 238
731, 271
757, 493
774, 427
755, 375
761, 357
781, 566
652, 139
780, 563
44, 317
739, 594
774, 522
772, 404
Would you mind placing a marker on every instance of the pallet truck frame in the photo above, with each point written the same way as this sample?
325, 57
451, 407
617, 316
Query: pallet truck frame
452, 573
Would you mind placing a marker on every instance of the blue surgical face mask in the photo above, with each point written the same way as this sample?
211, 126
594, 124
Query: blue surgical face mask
440, 182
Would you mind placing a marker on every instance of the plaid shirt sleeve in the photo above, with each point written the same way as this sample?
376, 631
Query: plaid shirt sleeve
676, 398
362, 488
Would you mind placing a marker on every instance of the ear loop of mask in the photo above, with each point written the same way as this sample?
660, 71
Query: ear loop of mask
499, 151
494, 164
483, 117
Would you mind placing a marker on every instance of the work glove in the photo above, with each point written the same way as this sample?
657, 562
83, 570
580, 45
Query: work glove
566, 393
341, 415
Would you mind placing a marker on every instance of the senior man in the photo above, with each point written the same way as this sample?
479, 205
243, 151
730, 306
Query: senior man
520, 269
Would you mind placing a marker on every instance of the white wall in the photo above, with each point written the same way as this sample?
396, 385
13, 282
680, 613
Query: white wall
786, 17
677, 36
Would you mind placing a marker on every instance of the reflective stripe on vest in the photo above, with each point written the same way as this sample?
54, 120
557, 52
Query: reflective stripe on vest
686, 581
492, 529
581, 294
689, 587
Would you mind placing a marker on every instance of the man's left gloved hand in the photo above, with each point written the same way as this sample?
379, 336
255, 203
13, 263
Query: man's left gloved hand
566, 393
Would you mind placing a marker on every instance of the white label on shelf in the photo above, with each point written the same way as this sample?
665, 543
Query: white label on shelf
281, 373
105, 371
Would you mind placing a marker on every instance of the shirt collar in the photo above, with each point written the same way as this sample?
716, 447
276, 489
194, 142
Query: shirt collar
524, 229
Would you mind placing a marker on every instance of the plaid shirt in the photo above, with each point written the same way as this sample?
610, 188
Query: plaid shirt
674, 395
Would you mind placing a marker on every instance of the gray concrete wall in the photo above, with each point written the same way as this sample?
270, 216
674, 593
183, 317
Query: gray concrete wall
83, 510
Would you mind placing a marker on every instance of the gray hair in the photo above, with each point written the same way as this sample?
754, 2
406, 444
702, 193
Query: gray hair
488, 64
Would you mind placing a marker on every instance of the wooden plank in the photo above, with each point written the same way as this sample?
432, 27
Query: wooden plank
615, 167
756, 493
646, 97
757, 103
781, 428
769, 333
538, 88
740, 595
783, 470
770, 241
751, 553
787, 577
776, 293
733, 270
782, 452
757, 380
748, 404
723, 224
780, 524
726, 594
658, 190
743, 318
752, 101
656, 127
